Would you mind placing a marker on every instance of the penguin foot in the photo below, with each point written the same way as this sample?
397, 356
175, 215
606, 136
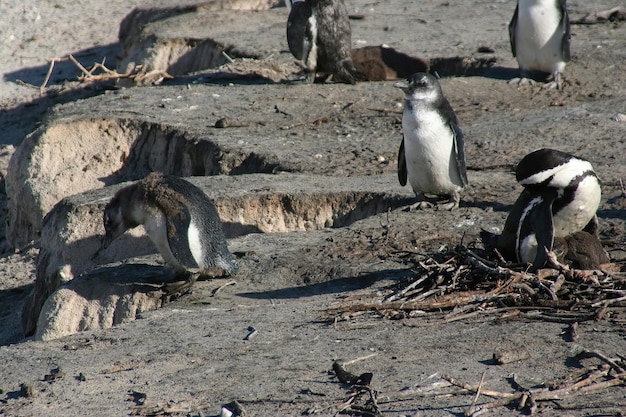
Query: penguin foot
451, 205
183, 284
420, 205
519, 81
552, 85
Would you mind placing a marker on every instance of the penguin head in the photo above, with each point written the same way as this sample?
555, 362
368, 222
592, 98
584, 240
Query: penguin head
421, 86
113, 222
545, 167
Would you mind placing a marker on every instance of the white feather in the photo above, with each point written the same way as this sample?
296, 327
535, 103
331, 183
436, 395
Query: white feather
575, 216
195, 245
562, 174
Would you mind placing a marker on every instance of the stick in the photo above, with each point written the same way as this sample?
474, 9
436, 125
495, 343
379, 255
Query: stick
218, 289
42, 89
472, 409
78, 64
620, 369
362, 358
489, 393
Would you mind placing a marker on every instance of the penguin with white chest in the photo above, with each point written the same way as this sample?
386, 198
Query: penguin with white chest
431, 155
540, 38
560, 198
178, 217
319, 35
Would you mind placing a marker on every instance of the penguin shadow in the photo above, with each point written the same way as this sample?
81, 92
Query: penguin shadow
222, 77
138, 277
338, 285
497, 72
11, 301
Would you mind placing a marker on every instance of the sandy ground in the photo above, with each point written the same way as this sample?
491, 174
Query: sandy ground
191, 357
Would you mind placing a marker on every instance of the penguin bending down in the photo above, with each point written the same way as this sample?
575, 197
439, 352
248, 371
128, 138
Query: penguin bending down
540, 38
319, 35
180, 219
431, 155
561, 196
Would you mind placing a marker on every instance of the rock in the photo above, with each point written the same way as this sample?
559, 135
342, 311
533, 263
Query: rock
157, 42
101, 300
72, 231
97, 153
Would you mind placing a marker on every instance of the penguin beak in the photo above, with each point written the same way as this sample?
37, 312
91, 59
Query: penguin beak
403, 85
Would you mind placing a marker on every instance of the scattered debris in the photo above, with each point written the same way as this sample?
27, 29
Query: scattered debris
615, 14
503, 357
26, 391
232, 409
619, 117
362, 397
252, 332
139, 398
54, 374
576, 383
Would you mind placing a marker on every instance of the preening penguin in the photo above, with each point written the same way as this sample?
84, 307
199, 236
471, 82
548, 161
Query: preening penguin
561, 196
540, 38
431, 155
319, 35
179, 218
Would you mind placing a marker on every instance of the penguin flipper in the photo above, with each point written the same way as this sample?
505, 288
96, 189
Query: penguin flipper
459, 151
402, 173
178, 239
543, 227
566, 32
299, 30
592, 227
512, 26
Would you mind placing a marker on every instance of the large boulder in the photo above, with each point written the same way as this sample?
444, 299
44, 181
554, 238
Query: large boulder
101, 300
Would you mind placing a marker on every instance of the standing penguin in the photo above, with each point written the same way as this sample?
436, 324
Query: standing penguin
179, 218
431, 153
561, 196
319, 35
540, 38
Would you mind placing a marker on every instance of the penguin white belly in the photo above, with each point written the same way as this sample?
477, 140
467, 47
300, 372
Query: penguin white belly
156, 227
428, 150
538, 38
575, 216
195, 245
311, 58
527, 249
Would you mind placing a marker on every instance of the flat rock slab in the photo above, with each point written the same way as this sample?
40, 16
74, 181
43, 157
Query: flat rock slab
73, 230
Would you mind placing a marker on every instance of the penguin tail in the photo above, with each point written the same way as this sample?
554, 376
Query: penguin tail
347, 73
490, 240
229, 265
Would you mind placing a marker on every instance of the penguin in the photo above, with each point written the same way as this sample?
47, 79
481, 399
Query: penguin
319, 35
179, 218
540, 38
561, 196
431, 155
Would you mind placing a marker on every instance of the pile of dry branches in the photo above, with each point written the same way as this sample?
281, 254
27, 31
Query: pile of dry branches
464, 282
